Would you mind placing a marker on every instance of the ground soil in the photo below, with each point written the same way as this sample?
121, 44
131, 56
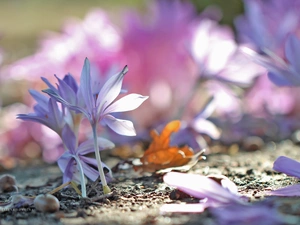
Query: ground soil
136, 198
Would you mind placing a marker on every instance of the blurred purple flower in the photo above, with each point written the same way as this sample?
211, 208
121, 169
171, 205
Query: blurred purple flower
46, 112
266, 24
284, 70
289, 73
190, 131
290, 167
262, 213
99, 106
218, 55
265, 98
70, 160
212, 193
222, 66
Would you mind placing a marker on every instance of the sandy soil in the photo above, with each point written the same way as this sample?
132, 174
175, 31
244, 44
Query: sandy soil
136, 198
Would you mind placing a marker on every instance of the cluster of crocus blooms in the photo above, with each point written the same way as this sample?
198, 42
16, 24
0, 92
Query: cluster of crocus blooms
179, 59
65, 107
270, 29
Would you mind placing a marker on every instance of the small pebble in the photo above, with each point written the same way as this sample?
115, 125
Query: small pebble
8, 183
253, 143
46, 203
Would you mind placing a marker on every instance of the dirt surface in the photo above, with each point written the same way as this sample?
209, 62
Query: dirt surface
136, 198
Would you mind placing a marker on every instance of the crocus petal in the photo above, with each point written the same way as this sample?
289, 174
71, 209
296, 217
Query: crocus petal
41, 99
278, 79
123, 127
229, 185
88, 146
66, 164
292, 51
69, 138
292, 190
200, 187
127, 103
183, 208
278, 71
67, 104
110, 90
56, 115
208, 108
206, 127
69, 79
49, 84
287, 165
34, 118
66, 92
68, 173
85, 86
89, 166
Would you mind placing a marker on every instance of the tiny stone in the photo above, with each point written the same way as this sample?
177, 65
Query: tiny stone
46, 203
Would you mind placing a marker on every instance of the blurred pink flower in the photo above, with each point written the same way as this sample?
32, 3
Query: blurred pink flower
265, 98
64, 52
156, 51
22, 140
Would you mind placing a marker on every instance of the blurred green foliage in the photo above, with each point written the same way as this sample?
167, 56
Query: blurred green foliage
230, 8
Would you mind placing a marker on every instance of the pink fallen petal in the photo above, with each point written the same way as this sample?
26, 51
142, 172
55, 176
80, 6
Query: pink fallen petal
292, 190
288, 166
201, 187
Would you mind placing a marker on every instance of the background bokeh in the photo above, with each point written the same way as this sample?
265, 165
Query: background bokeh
23, 22
186, 55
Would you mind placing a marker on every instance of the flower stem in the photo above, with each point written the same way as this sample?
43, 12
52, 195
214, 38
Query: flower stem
82, 181
106, 189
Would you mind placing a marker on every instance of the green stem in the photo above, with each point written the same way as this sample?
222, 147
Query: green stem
82, 181
76, 123
106, 189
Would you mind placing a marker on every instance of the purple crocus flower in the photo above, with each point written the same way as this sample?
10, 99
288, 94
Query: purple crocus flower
73, 161
266, 24
290, 167
210, 191
288, 74
218, 56
46, 112
190, 131
98, 106
282, 71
